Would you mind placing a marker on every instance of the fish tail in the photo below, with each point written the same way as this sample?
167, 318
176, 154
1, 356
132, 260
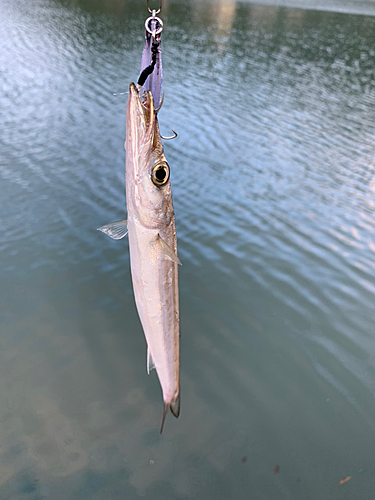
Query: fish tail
174, 407
165, 409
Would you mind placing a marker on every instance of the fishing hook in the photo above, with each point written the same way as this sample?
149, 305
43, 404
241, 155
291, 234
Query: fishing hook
150, 11
169, 138
161, 103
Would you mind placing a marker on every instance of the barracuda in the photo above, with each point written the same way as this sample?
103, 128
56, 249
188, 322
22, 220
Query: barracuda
152, 243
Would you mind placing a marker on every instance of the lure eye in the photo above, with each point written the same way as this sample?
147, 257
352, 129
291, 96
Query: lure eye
160, 174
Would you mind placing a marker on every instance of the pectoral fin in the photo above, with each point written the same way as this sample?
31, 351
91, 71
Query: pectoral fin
166, 250
115, 230
150, 361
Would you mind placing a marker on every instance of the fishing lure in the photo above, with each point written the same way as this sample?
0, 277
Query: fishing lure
151, 76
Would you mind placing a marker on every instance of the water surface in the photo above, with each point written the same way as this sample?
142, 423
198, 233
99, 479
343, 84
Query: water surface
273, 177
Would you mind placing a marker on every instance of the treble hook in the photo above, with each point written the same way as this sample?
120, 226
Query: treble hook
150, 11
169, 138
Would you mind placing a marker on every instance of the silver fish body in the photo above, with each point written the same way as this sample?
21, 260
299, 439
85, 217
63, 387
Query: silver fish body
153, 243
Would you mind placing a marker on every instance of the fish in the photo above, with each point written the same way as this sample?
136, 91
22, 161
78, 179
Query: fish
151, 230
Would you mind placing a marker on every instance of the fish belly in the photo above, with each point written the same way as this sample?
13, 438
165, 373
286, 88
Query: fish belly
155, 284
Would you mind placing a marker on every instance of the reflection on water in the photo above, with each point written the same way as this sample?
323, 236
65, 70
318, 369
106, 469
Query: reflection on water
273, 176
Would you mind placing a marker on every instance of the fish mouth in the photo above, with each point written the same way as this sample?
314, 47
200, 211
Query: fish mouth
145, 109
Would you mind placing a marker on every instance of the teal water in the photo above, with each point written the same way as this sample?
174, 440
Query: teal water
273, 177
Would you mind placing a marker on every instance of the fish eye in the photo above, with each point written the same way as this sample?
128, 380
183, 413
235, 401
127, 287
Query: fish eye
160, 174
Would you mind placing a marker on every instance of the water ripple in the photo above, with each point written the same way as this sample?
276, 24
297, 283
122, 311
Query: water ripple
273, 179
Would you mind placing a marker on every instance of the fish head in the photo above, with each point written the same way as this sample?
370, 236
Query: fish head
147, 170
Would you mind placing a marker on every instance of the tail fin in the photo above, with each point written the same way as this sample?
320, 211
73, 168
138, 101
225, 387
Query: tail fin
165, 409
174, 407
